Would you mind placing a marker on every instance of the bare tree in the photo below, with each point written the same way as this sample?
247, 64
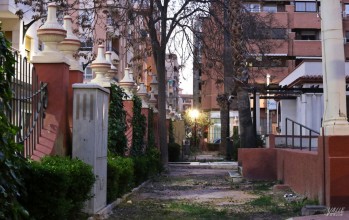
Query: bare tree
148, 26
243, 38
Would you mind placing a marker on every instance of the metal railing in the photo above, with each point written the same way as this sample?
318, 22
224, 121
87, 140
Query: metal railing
307, 134
27, 105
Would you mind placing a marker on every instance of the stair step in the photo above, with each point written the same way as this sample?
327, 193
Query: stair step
235, 175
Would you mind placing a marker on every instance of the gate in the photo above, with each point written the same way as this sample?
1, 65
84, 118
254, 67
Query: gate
28, 104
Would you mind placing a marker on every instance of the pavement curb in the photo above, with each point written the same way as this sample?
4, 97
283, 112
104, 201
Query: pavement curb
107, 210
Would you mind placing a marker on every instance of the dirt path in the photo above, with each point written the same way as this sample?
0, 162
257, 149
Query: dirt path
202, 194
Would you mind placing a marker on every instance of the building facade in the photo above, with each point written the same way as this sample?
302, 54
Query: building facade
296, 34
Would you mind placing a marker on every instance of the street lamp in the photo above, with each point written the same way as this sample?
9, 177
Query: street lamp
194, 114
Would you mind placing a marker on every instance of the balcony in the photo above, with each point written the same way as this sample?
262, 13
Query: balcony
8, 9
305, 20
307, 48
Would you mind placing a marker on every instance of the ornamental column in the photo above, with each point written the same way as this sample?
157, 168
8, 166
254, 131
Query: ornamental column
69, 46
112, 73
142, 93
335, 115
100, 66
333, 145
127, 84
52, 67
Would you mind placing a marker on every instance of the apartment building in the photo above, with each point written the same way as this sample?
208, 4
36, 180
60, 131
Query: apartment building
20, 32
296, 33
172, 74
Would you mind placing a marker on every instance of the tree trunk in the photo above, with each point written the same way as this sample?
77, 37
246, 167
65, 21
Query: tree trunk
247, 137
161, 71
228, 83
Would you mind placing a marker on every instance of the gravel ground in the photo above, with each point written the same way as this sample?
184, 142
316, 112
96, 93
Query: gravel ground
203, 194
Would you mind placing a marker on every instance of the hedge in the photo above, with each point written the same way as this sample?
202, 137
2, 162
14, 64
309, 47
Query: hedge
120, 172
57, 187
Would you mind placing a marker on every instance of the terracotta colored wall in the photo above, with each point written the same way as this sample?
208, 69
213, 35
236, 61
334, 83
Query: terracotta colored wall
313, 48
337, 170
258, 163
302, 171
156, 129
128, 107
54, 138
145, 112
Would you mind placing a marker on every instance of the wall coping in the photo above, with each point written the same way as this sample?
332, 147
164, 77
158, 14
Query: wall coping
90, 86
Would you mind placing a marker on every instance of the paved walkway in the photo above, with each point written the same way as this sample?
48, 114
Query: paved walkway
330, 216
206, 190
198, 190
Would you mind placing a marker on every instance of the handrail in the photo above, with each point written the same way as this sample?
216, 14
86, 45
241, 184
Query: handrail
301, 133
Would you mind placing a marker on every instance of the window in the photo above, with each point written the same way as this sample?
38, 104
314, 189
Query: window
270, 8
269, 61
8, 35
346, 37
253, 7
278, 33
88, 73
214, 130
305, 6
346, 8
28, 46
307, 34
86, 44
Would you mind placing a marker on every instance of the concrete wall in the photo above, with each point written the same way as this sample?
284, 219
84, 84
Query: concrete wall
288, 110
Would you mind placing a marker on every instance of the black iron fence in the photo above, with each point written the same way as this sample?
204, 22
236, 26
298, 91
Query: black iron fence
28, 104
299, 136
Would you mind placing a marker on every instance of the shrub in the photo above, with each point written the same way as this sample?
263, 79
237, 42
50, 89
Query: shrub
113, 176
174, 151
141, 171
120, 176
57, 187
171, 138
138, 128
154, 161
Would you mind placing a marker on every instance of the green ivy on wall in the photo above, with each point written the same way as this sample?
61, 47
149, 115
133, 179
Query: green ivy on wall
138, 128
117, 141
151, 136
11, 163
171, 138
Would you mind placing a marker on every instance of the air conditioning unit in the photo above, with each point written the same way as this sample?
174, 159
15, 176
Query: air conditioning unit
345, 40
344, 14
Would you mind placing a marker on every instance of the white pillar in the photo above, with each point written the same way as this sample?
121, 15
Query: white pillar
258, 114
90, 137
335, 116
303, 111
268, 118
